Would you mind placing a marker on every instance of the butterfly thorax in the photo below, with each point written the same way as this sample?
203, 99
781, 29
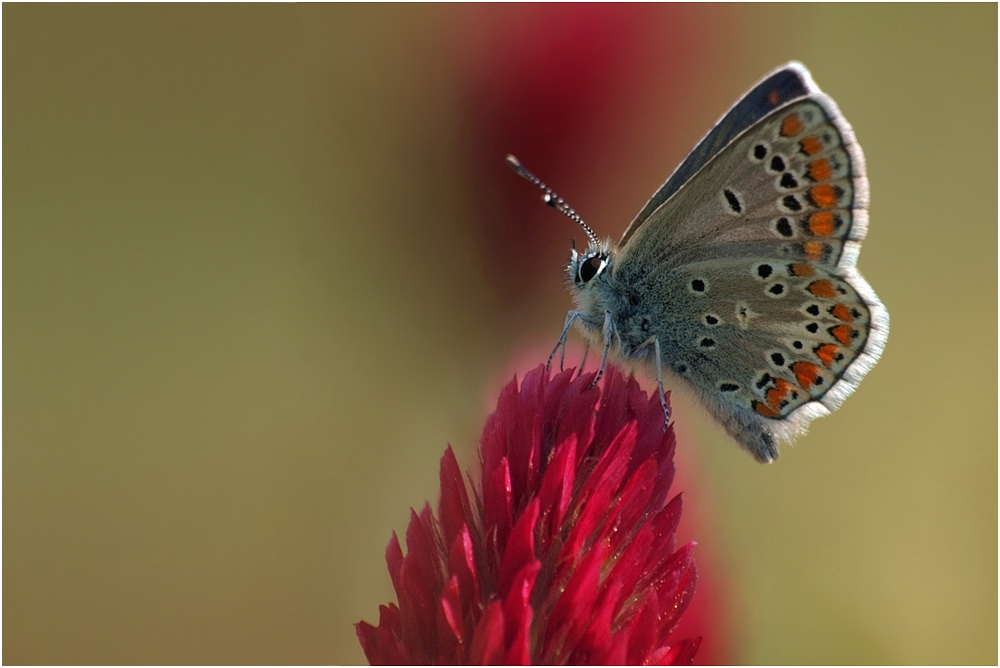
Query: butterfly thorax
600, 296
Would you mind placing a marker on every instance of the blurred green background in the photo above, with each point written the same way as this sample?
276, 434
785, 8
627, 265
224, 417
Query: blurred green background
256, 277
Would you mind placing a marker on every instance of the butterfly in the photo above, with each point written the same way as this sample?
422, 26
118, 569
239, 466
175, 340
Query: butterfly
737, 279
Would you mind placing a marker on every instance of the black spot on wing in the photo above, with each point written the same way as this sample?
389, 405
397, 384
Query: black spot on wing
734, 202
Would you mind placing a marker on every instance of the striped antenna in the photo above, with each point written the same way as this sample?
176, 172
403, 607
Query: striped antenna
552, 199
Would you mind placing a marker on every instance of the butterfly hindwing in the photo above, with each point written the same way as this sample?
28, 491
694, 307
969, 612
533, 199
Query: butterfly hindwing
761, 340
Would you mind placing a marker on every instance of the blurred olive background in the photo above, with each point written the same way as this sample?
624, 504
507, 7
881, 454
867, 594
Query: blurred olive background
261, 263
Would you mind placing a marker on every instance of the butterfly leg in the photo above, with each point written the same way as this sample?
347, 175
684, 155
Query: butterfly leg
583, 362
561, 344
609, 330
659, 382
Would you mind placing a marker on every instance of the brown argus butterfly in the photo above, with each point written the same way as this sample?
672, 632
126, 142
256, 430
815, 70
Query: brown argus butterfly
738, 276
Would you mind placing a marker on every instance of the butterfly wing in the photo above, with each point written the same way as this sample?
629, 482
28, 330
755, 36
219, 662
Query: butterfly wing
788, 82
748, 271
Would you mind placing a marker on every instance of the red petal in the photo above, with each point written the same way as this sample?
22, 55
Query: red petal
421, 578
649, 414
594, 500
614, 461
631, 506
518, 615
454, 510
677, 590
598, 645
557, 490
520, 548
394, 560
497, 514
462, 565
643, 634
566, 624
665, 526
665, 472
588, 526
680, 654
487, 642
524, 440
380, 647
493, 444
450, 625
422, 551
388, 617
613, 411
644, 560
569, 412
629, 570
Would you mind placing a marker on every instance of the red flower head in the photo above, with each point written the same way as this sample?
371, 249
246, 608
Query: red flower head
565, 555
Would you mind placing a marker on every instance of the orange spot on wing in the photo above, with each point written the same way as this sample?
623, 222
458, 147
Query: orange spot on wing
811, 145
791, 125
806, 373
764, 409
778, 393
820, 170
841, 312
825, 196
843, 333
822, 223
774, 97
827, 353
814, 249
822, 288
801, 269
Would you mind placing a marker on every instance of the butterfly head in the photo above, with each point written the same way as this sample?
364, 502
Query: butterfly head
588, 274
588, 266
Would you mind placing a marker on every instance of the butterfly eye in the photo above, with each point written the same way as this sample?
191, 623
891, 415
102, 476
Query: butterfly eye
591, 267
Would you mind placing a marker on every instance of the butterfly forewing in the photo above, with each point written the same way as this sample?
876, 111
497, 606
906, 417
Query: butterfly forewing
798, 195
789, 82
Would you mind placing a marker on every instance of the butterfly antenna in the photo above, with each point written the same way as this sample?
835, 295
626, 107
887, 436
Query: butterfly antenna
552, 199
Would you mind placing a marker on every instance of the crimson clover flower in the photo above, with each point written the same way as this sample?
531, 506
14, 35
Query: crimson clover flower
565, 552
